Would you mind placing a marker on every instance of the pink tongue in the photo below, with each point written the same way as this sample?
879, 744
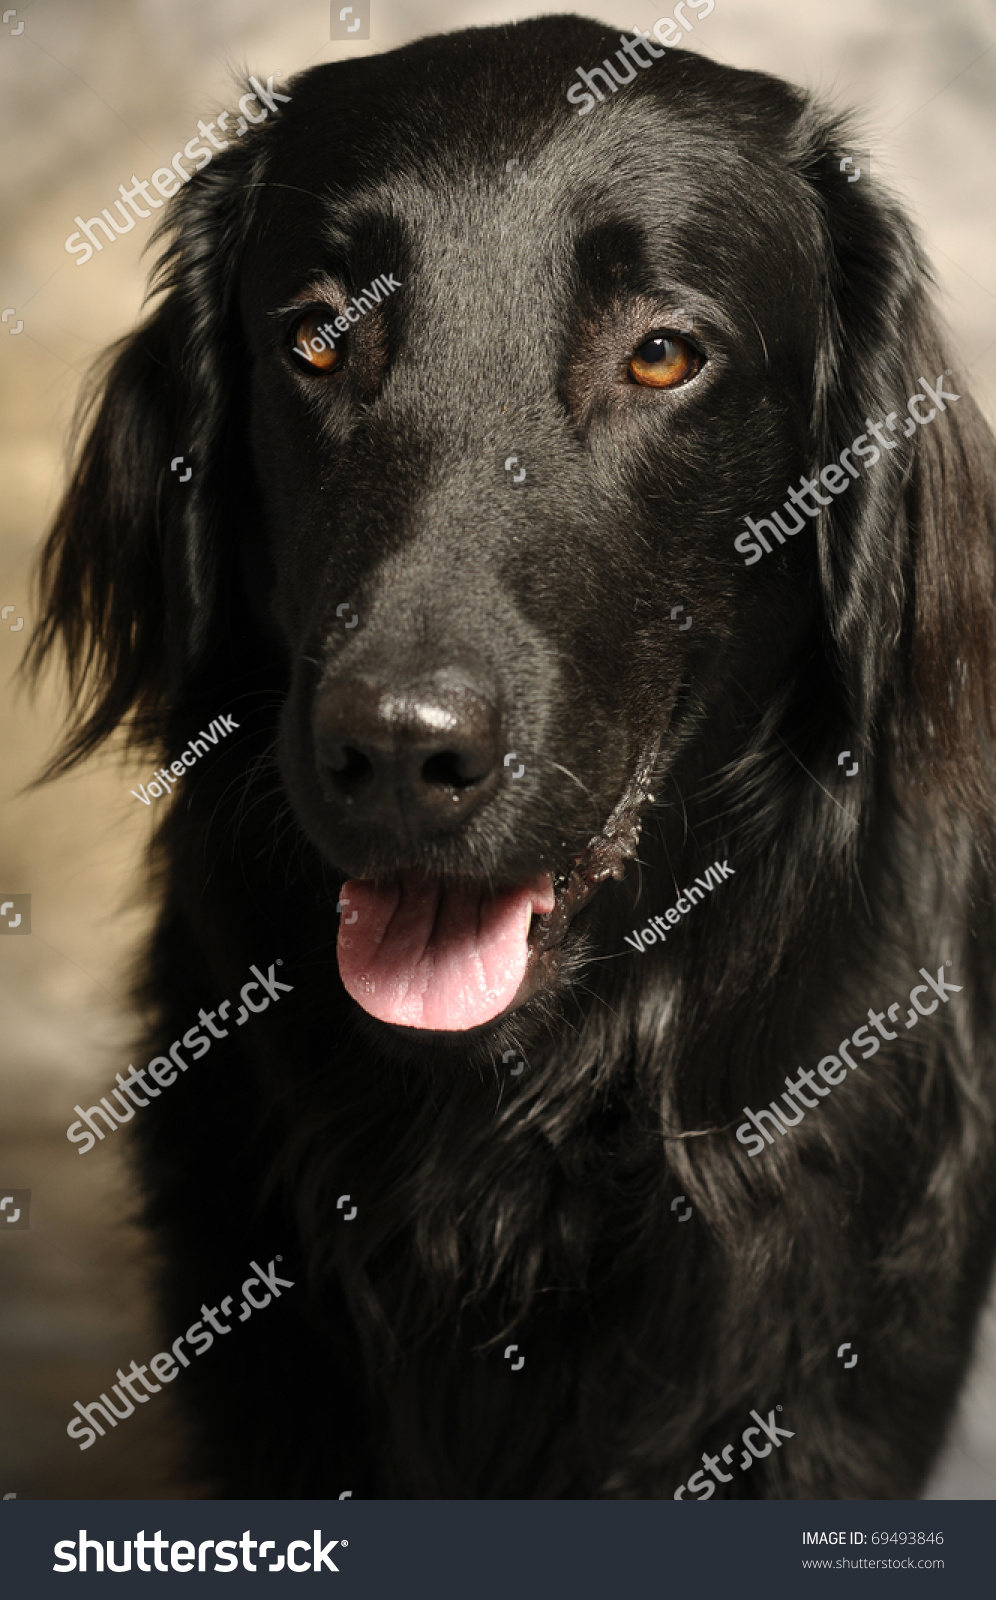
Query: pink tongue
423, 956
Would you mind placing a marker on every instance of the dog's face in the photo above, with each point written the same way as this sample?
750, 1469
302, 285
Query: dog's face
501, 507
483, 525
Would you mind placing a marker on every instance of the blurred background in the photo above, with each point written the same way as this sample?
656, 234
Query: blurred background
92, 92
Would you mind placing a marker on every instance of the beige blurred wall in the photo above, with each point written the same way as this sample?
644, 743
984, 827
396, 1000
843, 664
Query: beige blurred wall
93, 91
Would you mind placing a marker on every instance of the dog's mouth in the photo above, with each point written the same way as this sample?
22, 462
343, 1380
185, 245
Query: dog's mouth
417, 952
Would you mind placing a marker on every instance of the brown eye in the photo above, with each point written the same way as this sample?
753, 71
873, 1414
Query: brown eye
664, 361
317, 345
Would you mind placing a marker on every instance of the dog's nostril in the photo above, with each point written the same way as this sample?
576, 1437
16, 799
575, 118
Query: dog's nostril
347, 770
344, 761
449, 769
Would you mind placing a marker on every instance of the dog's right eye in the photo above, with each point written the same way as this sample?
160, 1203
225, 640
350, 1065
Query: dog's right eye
664, 361
314, 343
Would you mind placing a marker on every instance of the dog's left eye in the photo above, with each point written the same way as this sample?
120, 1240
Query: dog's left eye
316, 344
664, 361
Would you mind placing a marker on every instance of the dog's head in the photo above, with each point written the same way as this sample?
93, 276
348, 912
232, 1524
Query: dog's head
479, 386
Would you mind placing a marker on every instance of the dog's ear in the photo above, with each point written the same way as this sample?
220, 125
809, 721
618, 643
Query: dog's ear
907, 552
130, 578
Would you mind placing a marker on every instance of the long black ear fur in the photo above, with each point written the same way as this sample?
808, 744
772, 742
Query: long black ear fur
908, 556
132, 577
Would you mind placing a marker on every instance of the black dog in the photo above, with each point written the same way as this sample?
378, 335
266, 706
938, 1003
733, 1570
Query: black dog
470, 688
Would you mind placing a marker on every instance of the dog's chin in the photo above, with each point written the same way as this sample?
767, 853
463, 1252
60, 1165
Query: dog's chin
431, 960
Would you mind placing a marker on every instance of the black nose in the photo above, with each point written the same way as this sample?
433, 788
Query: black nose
422, 756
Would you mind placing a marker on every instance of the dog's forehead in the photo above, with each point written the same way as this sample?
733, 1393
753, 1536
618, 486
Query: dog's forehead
505, 179
666, 204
